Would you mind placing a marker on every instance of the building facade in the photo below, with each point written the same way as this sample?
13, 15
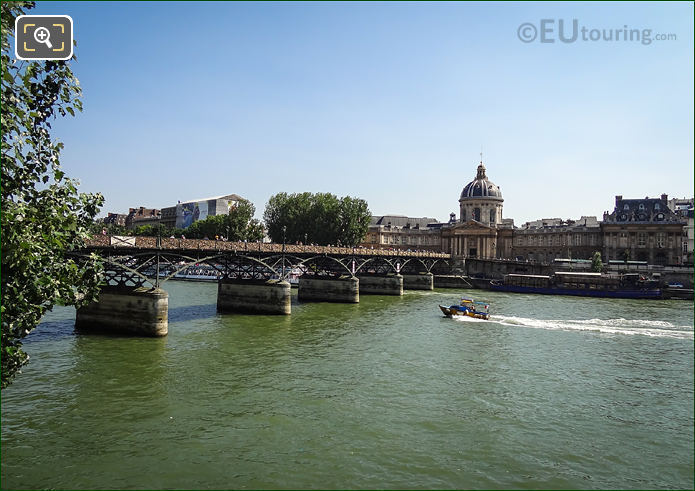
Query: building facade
182, 215
551, 238
115, 219
683, 207
480, 232
637, 229
142, 216
401, 232
643, 230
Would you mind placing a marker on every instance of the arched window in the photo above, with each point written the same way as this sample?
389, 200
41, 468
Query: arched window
626, 206
492, 215
476, 214
463, 214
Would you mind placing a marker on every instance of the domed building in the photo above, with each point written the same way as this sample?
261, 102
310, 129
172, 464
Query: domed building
481, 200
480, 231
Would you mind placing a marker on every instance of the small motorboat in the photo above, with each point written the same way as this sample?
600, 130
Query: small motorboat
468, 307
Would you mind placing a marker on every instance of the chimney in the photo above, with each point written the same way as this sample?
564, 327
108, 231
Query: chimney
664, 198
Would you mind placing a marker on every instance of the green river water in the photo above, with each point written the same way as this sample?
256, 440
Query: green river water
553, 392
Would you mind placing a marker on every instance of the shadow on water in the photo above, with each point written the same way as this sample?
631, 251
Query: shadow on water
192, 312
52, 331
64, 326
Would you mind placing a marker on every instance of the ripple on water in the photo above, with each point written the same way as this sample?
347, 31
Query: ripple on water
551, 393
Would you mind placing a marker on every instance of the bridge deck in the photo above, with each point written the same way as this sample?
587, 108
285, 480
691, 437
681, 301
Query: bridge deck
145, 243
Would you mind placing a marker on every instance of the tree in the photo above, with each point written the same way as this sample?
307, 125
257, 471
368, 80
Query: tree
596, 262
354, 220
43, 215
320, 218
240, 224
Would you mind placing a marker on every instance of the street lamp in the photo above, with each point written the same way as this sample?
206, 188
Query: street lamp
159, 246
305, 239
284, 231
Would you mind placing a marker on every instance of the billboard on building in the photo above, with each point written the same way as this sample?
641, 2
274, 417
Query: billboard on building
187, 213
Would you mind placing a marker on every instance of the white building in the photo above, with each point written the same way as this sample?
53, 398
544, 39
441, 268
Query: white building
183, 214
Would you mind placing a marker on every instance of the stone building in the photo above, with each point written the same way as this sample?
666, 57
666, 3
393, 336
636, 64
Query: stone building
552, 238
643, 230
401, 232
142, 216
683, 207
115, 219
481, 232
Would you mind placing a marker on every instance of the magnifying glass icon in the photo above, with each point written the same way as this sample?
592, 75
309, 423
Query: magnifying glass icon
43, 35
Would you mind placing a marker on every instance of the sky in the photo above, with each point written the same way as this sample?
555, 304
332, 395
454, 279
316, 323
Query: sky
389, 102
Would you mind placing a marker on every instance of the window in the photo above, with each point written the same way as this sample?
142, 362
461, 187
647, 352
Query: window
660, 216
641, 239
661, 240
463, 214
657, 206
476, 214
641, 206
492, 216
626, 207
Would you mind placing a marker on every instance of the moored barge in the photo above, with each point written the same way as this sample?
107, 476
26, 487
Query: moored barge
580, 284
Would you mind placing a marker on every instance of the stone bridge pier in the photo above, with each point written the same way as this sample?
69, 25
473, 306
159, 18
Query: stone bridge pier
376, 284
342, 289
254, 296
421, 281
127, 310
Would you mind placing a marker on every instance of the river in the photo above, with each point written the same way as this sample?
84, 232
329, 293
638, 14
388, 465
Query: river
553, 392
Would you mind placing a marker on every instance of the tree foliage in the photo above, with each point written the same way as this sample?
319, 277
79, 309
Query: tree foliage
596, 262
320, 218
43, 215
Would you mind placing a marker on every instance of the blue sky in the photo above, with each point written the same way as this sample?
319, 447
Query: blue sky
389, 102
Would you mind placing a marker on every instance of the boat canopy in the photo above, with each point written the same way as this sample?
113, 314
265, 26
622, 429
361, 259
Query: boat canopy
468, 300
577, 273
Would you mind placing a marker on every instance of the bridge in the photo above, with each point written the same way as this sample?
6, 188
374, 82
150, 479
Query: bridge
252, 277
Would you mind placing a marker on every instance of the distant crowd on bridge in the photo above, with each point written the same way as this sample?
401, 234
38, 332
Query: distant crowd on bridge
223, 245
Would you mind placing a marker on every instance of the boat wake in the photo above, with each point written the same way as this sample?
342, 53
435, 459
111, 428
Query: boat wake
607, 326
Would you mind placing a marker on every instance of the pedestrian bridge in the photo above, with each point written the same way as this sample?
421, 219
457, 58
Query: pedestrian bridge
252, 277
142, 261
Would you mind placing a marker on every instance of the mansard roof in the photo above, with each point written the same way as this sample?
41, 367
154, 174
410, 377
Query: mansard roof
647, 210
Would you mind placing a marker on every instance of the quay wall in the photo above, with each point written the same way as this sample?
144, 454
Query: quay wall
452, 281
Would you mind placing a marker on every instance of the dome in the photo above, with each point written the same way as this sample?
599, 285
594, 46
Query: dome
481, 187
